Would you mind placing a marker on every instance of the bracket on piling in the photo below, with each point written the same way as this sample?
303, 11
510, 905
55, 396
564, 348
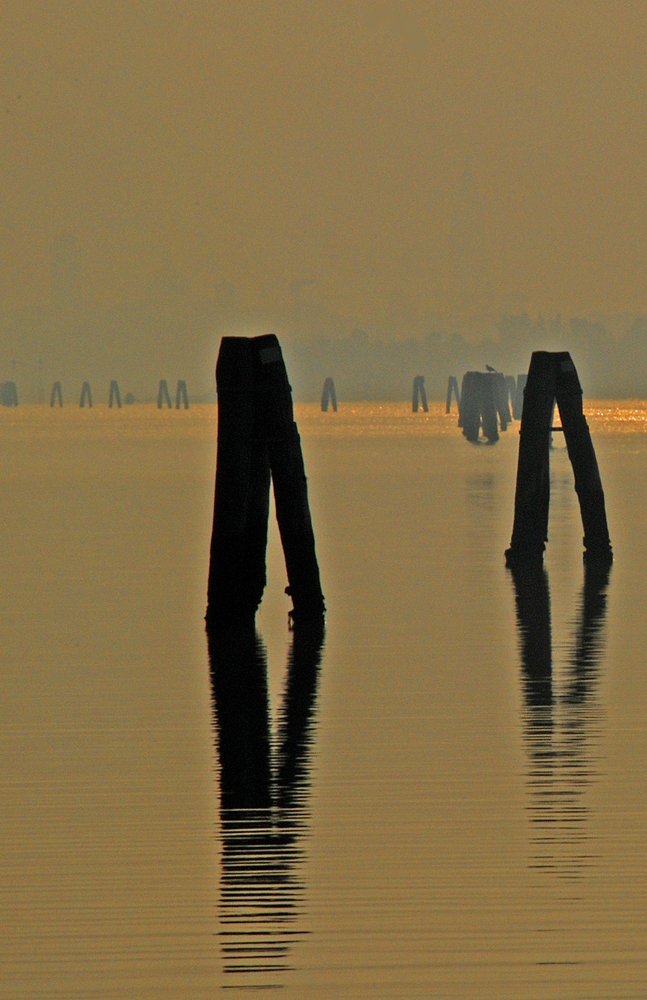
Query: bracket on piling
552, 378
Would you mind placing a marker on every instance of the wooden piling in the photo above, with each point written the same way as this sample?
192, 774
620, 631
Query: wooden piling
419, 394
86, 395
487, 388
258, 439
115, 396
470, 408
517, 404
452, 390
501, 399
163, 395
552, 378
328, 394
181, 395
57, 393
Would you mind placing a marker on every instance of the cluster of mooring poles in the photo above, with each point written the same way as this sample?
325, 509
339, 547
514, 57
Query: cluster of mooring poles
181, 395
552, 379
114, 395
484, 402
258, 443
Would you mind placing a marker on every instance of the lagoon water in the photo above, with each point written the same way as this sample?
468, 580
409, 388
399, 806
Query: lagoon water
447, 800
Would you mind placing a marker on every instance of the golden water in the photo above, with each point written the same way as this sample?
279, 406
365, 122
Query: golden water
429, 829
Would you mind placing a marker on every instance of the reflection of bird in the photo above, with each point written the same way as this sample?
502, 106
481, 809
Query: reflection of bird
489, 368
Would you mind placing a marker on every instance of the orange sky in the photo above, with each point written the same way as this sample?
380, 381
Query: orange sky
270, 142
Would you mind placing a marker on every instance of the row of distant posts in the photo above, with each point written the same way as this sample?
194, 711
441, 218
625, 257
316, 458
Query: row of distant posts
484, 402
114, 396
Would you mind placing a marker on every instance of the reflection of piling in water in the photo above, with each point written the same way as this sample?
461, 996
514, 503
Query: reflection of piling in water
511, 392
552, 378
181, 395
258, 439
328, 395
419, 394
452, 390
8, 394
86, 395
163, 395
560, 728
57, 394
262, 800
115, 396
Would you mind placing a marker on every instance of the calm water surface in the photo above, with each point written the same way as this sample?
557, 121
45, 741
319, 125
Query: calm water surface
444, 798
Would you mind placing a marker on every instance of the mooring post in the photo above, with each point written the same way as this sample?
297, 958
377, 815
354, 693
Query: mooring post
257, 437
552, 377
511, 392
487, 387
56, 394
501, 399
181, 395
328, 395
419, 394
452, 389
163, 395
517, 403
470, 408
86, 394
115, 396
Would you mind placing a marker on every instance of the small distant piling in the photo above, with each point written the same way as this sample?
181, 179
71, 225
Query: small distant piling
8, 394
57, 394
163, 395
552, 378
419, 394
86, 395
258, 441
452, 390
115, 396
517, 403
181, 395
328, 395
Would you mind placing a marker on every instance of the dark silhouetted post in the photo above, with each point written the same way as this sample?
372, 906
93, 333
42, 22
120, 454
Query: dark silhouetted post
57, 393
163, 395
452, 389
258, 438
487, 386
517, 403
552, 378
328, 395
419, 394
181, 395
501, 399
511, 393
86, 394
115, 397
470, 406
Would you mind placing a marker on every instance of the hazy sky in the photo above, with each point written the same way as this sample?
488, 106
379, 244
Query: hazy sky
258, 144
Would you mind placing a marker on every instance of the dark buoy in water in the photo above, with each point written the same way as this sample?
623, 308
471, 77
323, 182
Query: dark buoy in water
163, 395
57, 393
86, 395
419, 394
328, 395
258, 440
552, 378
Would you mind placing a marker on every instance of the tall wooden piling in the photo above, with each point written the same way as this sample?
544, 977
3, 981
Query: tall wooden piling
487, 387
258, 439
501, 399
552, 378
57, 393
419, 394
163, 395
517, 404
328, 395
181, 395
452, 390
115, 396
86, 395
